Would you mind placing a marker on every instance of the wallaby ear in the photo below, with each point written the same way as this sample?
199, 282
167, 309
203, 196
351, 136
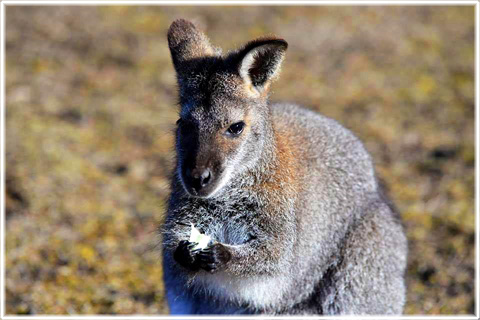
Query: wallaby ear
260, 62
186, 42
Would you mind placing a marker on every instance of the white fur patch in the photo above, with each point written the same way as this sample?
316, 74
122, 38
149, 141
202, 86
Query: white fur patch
247, 63
259, 292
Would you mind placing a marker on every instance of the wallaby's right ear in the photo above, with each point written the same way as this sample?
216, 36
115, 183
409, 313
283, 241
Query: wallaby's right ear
260, 62
186, 42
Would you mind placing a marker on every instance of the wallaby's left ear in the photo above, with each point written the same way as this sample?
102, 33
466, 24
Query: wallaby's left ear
260, 62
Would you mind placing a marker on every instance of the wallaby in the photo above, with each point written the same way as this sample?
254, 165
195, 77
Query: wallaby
297, 220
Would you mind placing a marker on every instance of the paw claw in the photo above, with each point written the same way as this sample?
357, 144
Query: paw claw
192, 245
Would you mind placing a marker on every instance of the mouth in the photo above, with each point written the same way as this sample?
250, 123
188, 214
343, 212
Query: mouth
202, 193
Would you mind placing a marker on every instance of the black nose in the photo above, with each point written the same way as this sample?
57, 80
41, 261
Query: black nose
200, 178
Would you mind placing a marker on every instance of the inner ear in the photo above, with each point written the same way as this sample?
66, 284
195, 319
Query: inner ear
261, 61
263, 66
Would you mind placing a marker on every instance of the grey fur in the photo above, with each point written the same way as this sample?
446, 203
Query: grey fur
302, 214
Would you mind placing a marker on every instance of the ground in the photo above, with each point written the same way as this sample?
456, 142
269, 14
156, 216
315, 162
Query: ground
91, 105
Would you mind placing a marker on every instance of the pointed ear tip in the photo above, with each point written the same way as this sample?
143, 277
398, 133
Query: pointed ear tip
282, 43
180, 25
271, 40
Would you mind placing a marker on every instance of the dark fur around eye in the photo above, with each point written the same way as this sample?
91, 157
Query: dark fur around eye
236, 128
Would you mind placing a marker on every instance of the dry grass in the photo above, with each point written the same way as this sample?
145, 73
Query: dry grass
91, 104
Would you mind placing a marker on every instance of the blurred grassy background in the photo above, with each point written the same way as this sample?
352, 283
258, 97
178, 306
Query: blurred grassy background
90, 108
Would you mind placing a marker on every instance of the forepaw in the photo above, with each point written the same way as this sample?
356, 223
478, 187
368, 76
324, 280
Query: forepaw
185, 255
213, 258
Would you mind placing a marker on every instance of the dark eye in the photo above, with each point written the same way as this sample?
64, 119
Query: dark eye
236, 128
179, 121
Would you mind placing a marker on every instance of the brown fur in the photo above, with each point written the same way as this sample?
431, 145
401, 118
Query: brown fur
283, 181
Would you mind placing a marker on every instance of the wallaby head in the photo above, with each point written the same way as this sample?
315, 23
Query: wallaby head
224, 117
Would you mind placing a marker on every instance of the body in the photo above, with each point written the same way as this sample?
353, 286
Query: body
300, 226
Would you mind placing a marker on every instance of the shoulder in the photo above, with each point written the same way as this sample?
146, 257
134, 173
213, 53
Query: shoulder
318, 141
312, 127
294, 115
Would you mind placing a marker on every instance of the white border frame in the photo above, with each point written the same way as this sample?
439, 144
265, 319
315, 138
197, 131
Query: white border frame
3, 5
242, 2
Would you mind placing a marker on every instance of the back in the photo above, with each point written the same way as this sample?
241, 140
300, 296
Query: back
340, 192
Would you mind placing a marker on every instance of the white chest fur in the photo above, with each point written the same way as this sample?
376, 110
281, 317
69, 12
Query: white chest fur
258, 291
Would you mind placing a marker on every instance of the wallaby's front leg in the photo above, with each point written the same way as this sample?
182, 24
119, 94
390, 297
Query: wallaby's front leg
258, 256
268, 251
213, 258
